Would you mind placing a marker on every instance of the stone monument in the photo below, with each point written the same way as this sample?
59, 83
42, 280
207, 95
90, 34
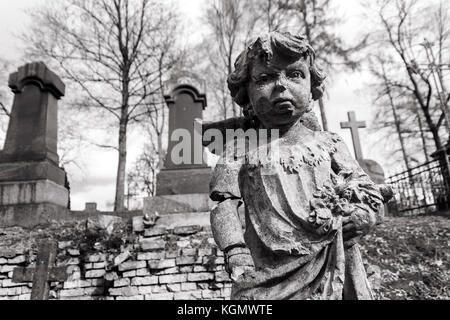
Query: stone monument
307, 201
183, 187
31, 181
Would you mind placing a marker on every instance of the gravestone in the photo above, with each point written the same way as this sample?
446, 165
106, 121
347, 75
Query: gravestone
183, 187
31, 181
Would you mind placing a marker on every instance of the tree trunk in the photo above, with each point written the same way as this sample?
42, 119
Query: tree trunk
323, 115
119, 203
422, 136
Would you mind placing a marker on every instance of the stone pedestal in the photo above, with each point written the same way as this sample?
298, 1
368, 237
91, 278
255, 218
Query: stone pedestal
183, 181
181, 203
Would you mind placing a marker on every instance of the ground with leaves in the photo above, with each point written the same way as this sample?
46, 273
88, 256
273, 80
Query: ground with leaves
413, 254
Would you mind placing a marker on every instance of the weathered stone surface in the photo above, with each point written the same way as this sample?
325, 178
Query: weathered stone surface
176, 278
187, 231
159, 289
222, 276
138, 224
194, 295
133, 298
145, 290
33, 192
17, 260
8, 253
173, 270
122, 257
142, 272
144, 281
172, 253
150, 256
124, 291
161, 264
124, 282
189, 252
160, 296
6, 268
71, 293
73, 252
155, 232
180, 203
95, 274
64, 244
188, 286
97, 258
32, 215
174, 287
132, 265
129, 274
189, 260
202, 276
111, 276
152, 245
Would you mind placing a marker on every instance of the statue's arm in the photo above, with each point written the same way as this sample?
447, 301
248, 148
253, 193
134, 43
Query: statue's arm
366, 198
229, 236
226, 226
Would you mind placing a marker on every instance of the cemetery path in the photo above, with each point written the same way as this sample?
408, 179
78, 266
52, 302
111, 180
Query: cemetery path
413, 254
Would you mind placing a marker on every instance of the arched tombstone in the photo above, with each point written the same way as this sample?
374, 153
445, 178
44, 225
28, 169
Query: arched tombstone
185, 171
183, 183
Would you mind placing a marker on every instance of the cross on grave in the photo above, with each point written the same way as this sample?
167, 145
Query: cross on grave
43, 273
354, 125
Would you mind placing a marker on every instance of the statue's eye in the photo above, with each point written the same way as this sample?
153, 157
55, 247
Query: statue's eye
296, 74
262, 78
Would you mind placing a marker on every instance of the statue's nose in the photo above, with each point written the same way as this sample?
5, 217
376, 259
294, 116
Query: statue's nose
280, 84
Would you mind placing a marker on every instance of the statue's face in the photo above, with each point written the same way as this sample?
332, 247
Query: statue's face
280, 92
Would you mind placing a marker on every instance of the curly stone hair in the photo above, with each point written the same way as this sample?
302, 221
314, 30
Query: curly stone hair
263, 48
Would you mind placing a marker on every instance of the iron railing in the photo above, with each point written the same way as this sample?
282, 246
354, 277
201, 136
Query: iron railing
421, 190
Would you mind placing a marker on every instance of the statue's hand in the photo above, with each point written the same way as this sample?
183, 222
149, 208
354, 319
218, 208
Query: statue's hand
238, 261
358, 224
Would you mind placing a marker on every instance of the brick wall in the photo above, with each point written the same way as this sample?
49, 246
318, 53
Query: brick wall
182, 264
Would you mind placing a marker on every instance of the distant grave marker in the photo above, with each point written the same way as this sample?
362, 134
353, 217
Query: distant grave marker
186, 104
354, 125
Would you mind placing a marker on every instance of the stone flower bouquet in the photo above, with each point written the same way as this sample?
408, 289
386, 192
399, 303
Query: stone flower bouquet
344, 197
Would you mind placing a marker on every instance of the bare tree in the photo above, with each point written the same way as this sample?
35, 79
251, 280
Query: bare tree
142, 177
404, 23
116, 52
230, 24
4, 98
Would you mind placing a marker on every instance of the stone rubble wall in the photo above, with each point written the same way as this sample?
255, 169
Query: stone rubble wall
179, 264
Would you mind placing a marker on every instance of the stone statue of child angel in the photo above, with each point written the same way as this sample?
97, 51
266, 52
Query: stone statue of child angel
307, 206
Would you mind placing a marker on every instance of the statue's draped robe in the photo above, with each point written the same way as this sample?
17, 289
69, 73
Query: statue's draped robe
292, 261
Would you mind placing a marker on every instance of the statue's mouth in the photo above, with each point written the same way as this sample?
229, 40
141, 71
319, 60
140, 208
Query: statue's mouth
283, 105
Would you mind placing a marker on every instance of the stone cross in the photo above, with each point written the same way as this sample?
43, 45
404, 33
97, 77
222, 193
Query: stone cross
354, 125
43, 273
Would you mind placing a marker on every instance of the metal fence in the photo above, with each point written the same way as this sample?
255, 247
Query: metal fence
421, 190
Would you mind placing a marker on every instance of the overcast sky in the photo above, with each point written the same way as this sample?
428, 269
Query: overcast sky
96, 184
